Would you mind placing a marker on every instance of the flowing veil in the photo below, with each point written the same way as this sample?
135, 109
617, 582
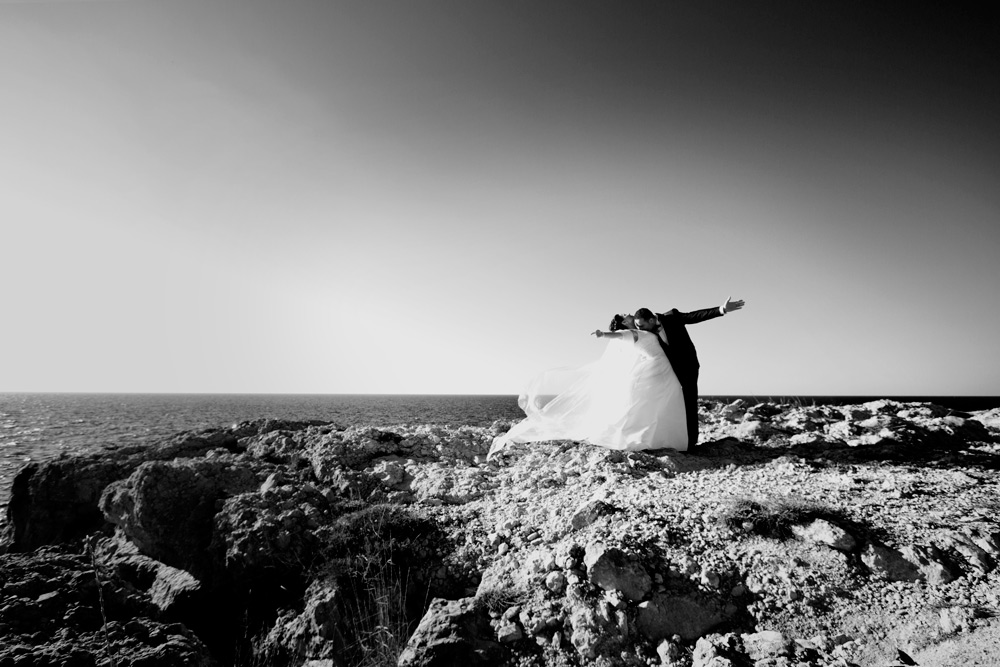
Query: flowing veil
589, 402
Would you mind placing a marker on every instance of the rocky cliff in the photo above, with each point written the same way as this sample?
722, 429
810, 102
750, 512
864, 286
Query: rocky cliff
796, 535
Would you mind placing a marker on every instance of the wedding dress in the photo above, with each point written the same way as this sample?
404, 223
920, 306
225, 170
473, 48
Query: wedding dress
629, 399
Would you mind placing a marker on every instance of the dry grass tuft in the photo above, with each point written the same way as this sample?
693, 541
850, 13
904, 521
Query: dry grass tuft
377, 616
497, 601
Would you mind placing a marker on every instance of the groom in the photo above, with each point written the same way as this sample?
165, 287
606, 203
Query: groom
677, 345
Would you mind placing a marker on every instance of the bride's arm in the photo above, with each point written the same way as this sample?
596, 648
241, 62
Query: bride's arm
616, 334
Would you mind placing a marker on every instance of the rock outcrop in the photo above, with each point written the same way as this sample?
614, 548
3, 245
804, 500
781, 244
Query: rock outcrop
795, 535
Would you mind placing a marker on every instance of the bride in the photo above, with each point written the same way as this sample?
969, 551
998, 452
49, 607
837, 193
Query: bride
629, 399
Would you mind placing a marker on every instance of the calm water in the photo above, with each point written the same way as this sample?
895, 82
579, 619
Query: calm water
39, 426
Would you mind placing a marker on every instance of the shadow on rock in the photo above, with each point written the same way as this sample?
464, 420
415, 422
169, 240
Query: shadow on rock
373, 577
63, 606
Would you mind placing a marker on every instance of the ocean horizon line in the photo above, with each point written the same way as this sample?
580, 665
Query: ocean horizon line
964, 402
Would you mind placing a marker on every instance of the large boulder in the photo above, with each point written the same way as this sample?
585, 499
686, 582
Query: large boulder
889, 563
315, 633
977, 544
821, 531
910, 563
933, 565
452, 632
590, 512
271, 530
167, 508
615, 570
175, 593
57, 501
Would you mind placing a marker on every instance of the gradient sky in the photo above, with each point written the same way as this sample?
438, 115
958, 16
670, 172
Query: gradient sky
448, 196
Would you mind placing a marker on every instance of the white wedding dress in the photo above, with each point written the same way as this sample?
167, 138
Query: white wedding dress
629, 399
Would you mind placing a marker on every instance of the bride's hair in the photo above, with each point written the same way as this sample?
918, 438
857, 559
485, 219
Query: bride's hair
617, 323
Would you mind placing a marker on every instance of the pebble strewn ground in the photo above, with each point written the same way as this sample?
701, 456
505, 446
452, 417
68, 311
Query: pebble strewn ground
896, 481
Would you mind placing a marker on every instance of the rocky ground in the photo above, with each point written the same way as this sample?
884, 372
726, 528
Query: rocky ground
796, 535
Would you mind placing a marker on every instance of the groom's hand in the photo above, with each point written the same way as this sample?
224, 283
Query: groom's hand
731, 305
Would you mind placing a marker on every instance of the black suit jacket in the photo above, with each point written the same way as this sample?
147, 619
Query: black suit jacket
679, 348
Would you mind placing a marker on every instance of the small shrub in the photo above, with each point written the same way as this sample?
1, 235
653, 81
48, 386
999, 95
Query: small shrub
379, 531
774, 517
496, 601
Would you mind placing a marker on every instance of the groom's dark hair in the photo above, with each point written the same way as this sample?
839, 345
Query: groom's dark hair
644, 313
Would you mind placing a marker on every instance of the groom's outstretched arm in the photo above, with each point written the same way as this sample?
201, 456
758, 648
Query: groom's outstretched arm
704, 314
677, 317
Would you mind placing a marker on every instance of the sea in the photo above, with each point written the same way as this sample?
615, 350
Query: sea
40, 426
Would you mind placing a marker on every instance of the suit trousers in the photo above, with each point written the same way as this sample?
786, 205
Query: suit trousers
690, 389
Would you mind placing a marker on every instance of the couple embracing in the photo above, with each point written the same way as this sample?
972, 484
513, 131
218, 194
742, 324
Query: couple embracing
641, 394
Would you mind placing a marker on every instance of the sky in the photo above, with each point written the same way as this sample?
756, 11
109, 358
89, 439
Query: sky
449, 196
